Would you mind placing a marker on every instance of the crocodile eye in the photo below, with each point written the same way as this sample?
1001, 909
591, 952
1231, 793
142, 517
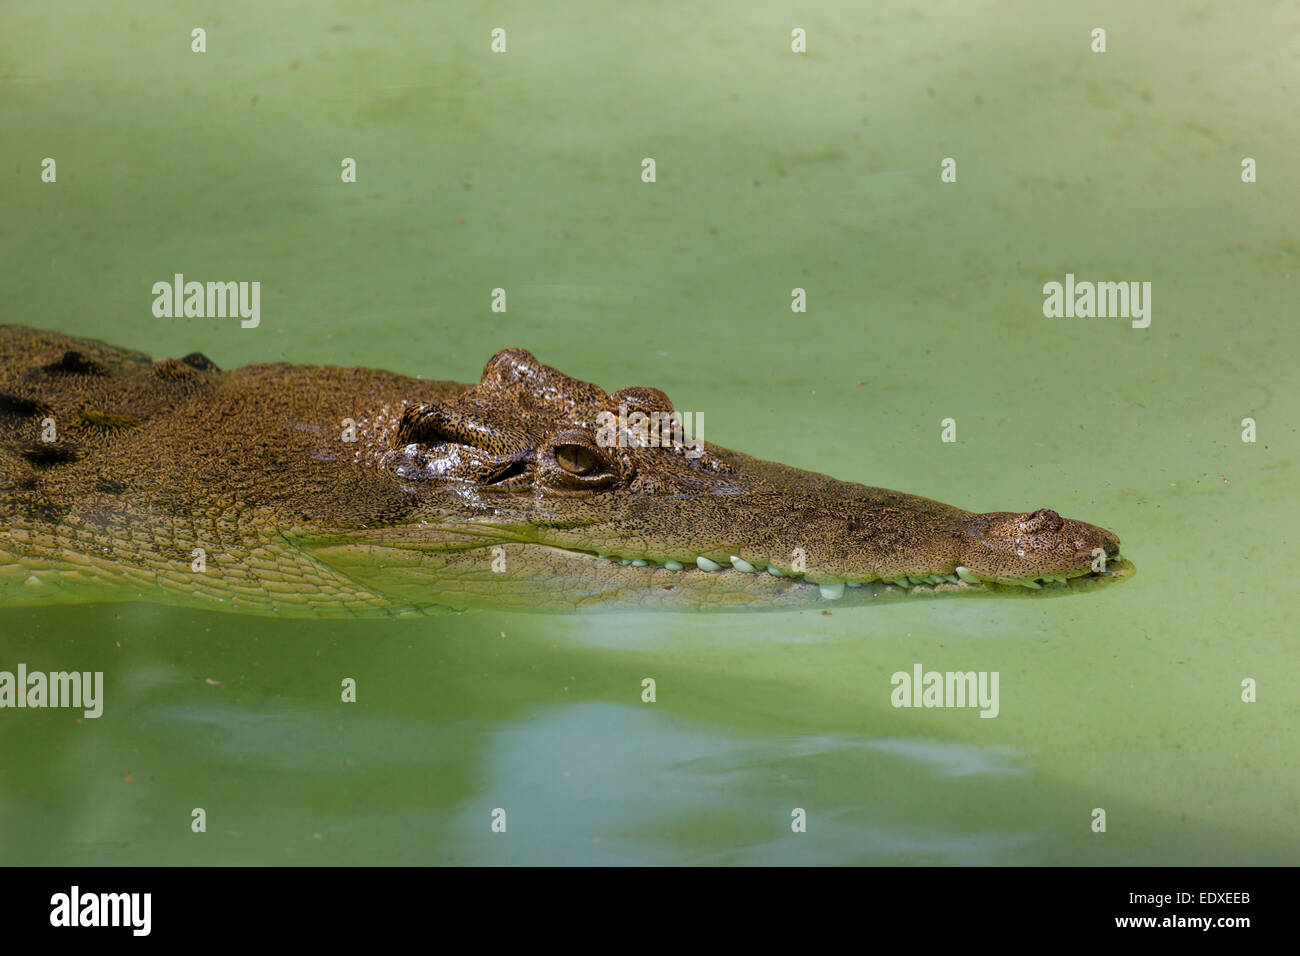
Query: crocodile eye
571, 461
576, 459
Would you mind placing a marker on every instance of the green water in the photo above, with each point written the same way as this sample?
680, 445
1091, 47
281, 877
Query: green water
774, 171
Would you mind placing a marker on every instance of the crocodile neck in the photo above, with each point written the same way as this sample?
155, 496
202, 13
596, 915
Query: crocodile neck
328, 491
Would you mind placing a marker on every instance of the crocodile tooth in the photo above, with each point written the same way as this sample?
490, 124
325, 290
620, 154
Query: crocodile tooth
1029, 583
902, 583
638, 562
967, 575
673, 565
704, 564
740, 564
833, 591
853, 584
935, 578
916, 579
625, 561
776, 572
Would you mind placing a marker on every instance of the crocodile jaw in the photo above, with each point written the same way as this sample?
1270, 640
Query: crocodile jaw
539, 577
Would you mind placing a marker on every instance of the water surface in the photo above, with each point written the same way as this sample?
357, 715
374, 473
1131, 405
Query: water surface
775, 171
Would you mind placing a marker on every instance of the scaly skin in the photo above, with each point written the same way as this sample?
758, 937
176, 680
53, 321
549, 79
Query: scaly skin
514, 493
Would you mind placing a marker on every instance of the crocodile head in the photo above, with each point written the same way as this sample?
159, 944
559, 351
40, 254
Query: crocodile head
125, 478
534, 489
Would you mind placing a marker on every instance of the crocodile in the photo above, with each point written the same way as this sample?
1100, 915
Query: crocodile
319, 491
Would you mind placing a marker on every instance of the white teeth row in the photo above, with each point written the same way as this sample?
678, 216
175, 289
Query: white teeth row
701, 562
908, 581
830, 590
834, 590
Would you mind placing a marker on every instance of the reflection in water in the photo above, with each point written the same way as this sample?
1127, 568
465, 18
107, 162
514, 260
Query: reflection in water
456, 718
948, 759
289, 738
598, 783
